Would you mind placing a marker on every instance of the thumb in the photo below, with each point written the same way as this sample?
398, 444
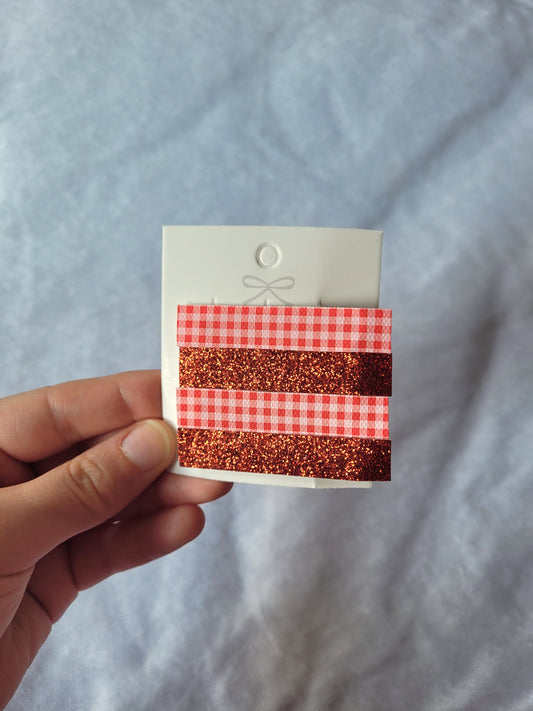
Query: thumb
38, 515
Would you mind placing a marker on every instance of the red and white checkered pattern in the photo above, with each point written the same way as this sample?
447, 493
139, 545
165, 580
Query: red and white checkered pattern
289, 413
285, 328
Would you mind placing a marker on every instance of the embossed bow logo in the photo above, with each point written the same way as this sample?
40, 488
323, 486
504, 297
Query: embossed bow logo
264, 287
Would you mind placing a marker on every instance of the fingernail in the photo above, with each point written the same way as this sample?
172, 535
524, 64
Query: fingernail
147, 445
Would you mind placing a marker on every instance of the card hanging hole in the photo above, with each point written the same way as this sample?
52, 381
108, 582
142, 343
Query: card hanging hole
268, 255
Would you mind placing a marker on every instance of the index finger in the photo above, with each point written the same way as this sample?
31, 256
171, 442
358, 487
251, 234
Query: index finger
43, 422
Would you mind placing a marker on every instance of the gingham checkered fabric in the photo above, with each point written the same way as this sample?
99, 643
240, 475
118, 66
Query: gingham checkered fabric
284, 328
287, 413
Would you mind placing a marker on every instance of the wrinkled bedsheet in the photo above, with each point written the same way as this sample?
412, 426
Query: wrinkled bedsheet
414, 118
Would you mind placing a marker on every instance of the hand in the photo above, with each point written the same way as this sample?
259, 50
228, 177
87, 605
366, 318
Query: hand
82, 497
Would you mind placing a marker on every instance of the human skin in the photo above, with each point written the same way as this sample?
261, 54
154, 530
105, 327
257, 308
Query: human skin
84, 493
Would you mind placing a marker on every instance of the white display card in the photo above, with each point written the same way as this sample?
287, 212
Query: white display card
294, 266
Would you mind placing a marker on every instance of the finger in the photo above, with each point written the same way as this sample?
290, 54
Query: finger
18, 646
38, 515
40, 423
170, 490
44, 465
12, 471
51, 583
111, 548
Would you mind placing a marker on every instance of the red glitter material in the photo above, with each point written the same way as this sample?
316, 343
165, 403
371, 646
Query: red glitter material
286, 371
348, 459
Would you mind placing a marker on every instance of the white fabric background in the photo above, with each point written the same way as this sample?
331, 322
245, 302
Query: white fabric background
415, 118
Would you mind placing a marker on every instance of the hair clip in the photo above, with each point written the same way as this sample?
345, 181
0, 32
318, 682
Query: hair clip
297, 391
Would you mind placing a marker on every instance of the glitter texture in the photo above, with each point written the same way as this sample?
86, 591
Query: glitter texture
286, 371
291, 455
